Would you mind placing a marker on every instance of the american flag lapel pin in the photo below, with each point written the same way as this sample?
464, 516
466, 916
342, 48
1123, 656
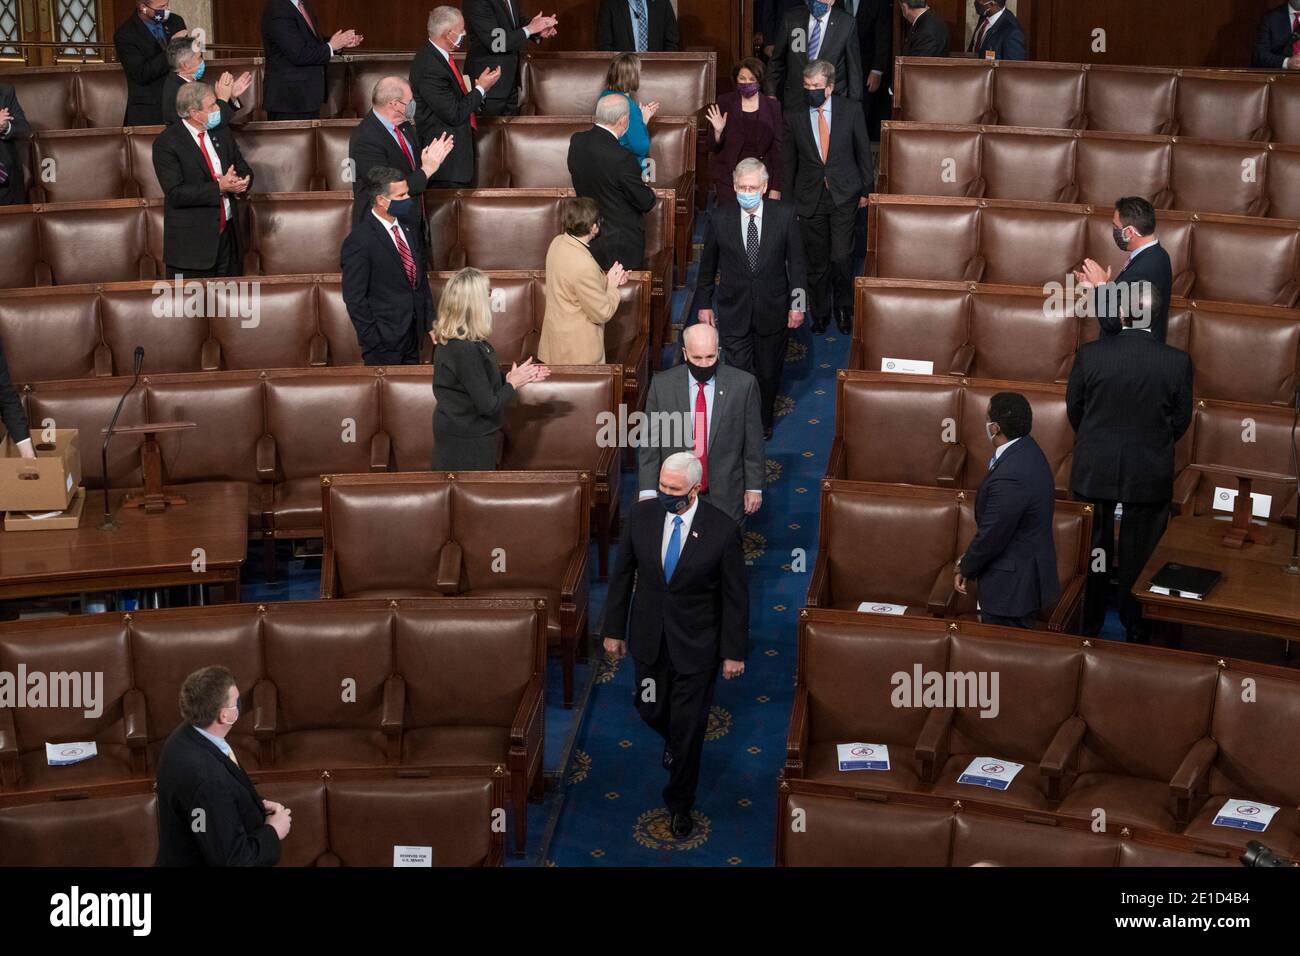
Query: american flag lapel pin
695, 534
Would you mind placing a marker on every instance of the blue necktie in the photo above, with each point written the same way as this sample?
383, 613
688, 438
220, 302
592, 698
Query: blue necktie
815, 42
642, 26
674, 549
993, 461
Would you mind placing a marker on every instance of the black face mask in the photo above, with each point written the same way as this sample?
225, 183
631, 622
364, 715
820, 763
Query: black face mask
1119, 238
701, 373
815, 98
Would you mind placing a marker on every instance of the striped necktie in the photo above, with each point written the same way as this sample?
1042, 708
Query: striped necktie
815, 41
642, 26
408, 260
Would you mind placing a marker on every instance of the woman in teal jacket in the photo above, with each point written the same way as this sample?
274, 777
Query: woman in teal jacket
624, 77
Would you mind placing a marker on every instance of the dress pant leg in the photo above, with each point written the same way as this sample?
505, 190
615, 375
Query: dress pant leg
651, 691
769, 362
817, 252
842, 221
1140, 531
691, 696
228, 254
737, 348
1098, 589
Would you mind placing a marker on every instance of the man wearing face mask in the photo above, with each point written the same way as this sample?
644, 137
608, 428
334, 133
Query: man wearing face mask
445, 102
1012, 555
1277, 43
719, 409
141, 43
755, 250
679, 597
188, 66
209, 811
816, 31
201, 171
1144, 286
997, 32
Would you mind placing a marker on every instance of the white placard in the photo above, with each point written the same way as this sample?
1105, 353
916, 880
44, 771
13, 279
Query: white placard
991, 772
413, 856
875, 607
1157, 589
908, 366
63, 755
863, 756
1225, 499
1245, 815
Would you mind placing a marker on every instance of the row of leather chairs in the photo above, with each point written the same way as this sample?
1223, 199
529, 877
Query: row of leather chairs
1108, 733
933, 427
290, 157
1216, 257
553, 84
1241, 353
478, 534
928, 529
1206, 104
340, 818
1044, 165
329, 685
279, 431
69, 332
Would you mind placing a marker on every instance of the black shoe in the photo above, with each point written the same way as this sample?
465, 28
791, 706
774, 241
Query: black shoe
819, 326
668, 758
682, 825
767, 433
844, 321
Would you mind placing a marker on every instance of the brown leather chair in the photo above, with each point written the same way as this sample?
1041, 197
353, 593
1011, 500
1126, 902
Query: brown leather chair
1282, 183
20, 266
1029, 841
1219, 177
81, 166
48, 95
101, 95
363, 72
107, 831
1111, 165
818, 826
407, 404
1251, 261
1283, 96
887, 329
1037, 168
1244, 353
88, 407
516, 325
276, 152
923, 240
251, 102
135, 315
295, 233
1222, 105
281, 332
1014, 338
1040, 94
331, 154
335, 324
568, 83
943, 91
94, 242
51, 334
139, 149
929, 159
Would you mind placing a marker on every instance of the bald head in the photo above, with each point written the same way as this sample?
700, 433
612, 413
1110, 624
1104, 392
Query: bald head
612, 111
390, 98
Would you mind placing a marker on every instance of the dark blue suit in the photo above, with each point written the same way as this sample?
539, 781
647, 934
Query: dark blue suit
1012, 554
1006, 39
1271, 46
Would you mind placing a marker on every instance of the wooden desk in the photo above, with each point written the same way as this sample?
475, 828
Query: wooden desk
1255, 593
147, 550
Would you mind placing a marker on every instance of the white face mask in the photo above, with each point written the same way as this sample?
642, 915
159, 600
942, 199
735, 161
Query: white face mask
458, 41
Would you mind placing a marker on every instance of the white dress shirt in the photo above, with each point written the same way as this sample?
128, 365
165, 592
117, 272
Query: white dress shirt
997, 452
388, 228
687, 517
830, 124
206, 146
823, 20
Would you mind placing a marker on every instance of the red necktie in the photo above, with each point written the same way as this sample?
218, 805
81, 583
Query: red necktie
208, 159
1295, 27
473, 120
406, 149
302, 8
979, 36
702, 436
403, 250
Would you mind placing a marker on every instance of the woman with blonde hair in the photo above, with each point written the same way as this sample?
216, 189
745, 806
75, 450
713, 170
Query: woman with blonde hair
624, 77
469, 389
580, 297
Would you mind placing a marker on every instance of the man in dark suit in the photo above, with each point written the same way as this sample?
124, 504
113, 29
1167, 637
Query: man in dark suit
829, 173
497, 34
603, 170
188, 65
755, 250
296, 57
385, 279
201, 170
818, 31
445, 103
209, 812
141, 44
926, 33
1277, 43
13, 126
690, 610
637, 26
1144, 286
1012, 555
11, 412
997, 32
1130, 400
876, 44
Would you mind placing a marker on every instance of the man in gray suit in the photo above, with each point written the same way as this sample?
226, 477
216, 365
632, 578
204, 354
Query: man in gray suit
722, 403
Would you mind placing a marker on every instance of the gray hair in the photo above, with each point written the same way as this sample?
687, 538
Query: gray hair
182, 50
820, 68
686, 464
389, 88
749, 165
191, 96
611, 109
441, 19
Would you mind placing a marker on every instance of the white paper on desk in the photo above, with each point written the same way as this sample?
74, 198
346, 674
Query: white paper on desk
863, 756
1156, 589
404, 856
991, 772
873, 607
64, 755
38, 515
1225, 499
908, 366
1245, 815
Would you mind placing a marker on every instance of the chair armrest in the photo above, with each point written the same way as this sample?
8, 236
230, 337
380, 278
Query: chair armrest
317, 183
449, 568
146, 267
962, 360
1068, 604
318, 354
104, 361
975, 270
575, 574
1063, 371
951, 467
1183, 283
266, 455
1287, 295
1169, 129
1185, 486
1164, 199
381, 451
942, 592
8, 750
978, 186
1061, 751
932, 745
1259, 208
252, 263
210, 356
329, 574
527, 721
456, 258
1068, 194
837, 461
819, 588
44, 274
531, 343
1192, 772
796, 740
390, 721
134, 727
501, 180
1062, 476
265, 710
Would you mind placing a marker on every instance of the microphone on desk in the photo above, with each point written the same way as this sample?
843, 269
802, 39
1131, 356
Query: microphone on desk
108, 523
1294, 566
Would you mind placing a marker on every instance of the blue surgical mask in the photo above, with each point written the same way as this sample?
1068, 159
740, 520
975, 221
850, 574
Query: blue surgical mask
400, 207
818, 8
673, 503
214, 119
203, 68
749, 200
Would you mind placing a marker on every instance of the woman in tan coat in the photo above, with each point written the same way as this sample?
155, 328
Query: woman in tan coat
580, 297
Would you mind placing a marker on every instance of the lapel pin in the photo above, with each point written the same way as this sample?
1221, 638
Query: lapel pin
695, 534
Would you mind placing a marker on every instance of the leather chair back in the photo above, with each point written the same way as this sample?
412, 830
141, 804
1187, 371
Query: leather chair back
81, 166
49, 334
109, 831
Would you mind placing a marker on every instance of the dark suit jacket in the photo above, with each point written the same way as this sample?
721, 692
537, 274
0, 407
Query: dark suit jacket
372, 145
747, 299
443, 106
14, 192
172, 85
381, 302
769, 126
703, 612
482, 18
928, 36
876, 36
470, 392
296, 57
839, 46
1006, 39
191, 211
614, 27
11, 405
849, 169
1271, 46
609, 174
1129, 400
193, 774
1012, 554
1151, 266
770, 14
144, 61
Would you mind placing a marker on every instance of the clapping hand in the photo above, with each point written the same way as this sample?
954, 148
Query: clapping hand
345, 39
488, 78
1092, 274
526, 372
5, 117
648, 111
431, 156
232, 182
616, 276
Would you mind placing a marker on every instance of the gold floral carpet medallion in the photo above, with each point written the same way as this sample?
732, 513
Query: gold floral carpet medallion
719, 723
654, 830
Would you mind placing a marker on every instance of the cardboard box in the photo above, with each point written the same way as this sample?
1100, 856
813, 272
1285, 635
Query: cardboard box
69, 518
47, 482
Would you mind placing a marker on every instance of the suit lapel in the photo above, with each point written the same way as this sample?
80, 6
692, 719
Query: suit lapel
692, 543
385, 236
719, 401
654, 543
234, 769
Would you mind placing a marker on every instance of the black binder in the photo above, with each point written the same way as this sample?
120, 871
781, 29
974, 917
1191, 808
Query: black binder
1182, 580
